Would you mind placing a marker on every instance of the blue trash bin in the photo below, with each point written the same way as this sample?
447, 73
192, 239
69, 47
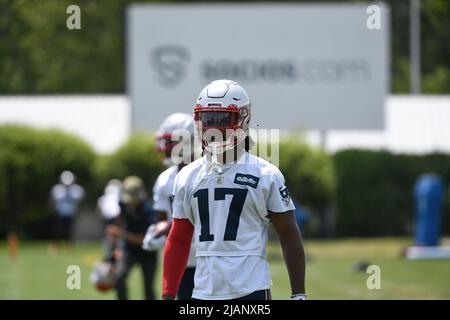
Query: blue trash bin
428, 196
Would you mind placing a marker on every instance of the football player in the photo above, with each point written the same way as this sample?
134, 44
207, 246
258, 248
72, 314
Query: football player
127, 232
174, 126
227, 199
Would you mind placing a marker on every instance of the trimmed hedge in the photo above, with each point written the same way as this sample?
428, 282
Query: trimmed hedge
136, 157
309, 174
31, 162
308, 171
375, 191
372, 191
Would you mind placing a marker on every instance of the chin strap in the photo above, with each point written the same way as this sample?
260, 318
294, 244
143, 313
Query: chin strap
215, 165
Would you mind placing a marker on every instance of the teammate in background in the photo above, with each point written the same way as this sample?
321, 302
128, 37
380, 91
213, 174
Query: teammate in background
128, 231
108, 203
166, 139
227, 200
65, 200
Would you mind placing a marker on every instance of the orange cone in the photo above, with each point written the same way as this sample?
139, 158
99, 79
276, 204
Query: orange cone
13, 245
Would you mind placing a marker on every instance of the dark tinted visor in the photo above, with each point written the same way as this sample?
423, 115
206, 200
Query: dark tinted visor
217, 118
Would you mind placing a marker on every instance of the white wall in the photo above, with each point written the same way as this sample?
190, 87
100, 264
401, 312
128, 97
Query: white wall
102, 120
413, 124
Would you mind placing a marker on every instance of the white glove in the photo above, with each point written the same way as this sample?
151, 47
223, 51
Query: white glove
150, 243
298, 296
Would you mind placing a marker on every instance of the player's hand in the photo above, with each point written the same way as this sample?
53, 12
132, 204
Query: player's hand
168, 297
161, 228
154, 239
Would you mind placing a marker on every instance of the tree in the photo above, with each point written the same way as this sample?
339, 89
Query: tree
38, 54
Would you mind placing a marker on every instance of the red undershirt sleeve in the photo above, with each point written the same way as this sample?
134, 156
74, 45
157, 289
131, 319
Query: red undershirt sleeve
176, 254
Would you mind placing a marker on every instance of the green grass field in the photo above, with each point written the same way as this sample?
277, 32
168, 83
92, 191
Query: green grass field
36, 274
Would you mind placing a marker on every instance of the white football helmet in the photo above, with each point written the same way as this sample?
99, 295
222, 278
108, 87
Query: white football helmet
168, 137
222, 115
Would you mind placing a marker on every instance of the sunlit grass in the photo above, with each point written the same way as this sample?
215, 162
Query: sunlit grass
37, 274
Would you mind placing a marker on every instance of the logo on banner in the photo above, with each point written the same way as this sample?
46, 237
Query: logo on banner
169, 63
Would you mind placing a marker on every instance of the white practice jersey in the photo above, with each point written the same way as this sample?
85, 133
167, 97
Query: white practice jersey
230, 214
162, 200
162, 191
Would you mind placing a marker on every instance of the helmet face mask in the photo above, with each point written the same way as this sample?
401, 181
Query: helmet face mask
165, 145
